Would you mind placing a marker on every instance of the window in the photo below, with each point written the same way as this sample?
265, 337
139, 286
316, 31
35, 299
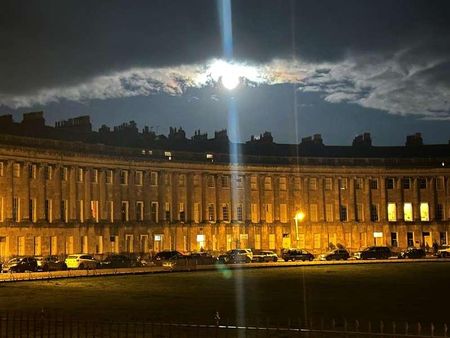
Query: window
225, 181
181, 180
239, 213
297, 183
407, 212
196, 180
114, 242
21, 245
283, 213
80, 175
168, 179
37, 246
239, 182
328, 183
422, 183
283, 184
196, 212
16, 209
410, 239
139, 211
123, 177
374, 213
153, 178
94, 174
48, 210
373, 182
48, 172
64, 173
392, 212
32, 210
154, 212
94, 211
64, 211
313, 212
138, 177
109, 176
439, 183
254, 211
99, 245
267, 183
211, 213
210, 181
124, 211
272, 242
225, 213
343, 183
269, 212
358, 183
394, 242
312, 183
84, 244
424, 212
439, 212
443, 238
16, 169
329, 212
254, 182
167, 213
343, 213
389, 183
406, 183
359, 212
316, 241
32, 171
181, 212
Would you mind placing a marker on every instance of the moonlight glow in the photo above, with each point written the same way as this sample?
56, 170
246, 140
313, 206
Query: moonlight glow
230, 75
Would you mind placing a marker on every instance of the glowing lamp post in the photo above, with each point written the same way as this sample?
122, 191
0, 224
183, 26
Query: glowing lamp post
299, 216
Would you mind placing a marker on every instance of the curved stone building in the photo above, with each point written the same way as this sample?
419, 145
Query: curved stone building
67, 189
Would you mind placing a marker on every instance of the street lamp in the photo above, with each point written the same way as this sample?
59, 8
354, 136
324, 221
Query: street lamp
299, 216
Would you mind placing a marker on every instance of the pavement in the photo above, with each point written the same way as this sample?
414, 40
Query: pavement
30, 276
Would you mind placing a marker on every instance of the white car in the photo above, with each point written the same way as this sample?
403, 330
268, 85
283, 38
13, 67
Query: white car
81, 261
444, 252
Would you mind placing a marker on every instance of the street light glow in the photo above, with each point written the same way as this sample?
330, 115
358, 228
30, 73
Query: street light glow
300, 216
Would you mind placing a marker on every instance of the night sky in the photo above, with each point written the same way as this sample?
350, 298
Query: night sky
355, 66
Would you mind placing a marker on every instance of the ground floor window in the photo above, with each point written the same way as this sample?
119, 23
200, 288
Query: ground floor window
394, 242
410, 239
272, 241
443, 238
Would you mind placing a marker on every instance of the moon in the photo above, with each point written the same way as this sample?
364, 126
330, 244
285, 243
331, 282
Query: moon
230, 80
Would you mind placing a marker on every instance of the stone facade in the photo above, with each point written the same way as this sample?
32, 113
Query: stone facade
57, 199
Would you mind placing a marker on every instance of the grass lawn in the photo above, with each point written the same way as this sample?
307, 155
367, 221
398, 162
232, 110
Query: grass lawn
414, 292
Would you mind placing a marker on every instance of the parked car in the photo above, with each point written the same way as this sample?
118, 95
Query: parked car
335, 255
374, 252
297, 255
202, 258
20, 264
81, 261
115, 261
265, 256
163, 256
444, 251
412, 252
236, 256
50, 263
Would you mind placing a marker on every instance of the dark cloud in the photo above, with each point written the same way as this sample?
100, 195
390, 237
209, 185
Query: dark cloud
59, 43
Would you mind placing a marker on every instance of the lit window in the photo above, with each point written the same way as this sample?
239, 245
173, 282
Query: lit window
392, 212
424, 212
408, 212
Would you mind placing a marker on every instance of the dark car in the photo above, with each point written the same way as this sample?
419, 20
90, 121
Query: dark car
412, 253
297, 255
117, 261
163, 256
236, 256
21, 264
374, 252
202, 258
335, 255
50, 263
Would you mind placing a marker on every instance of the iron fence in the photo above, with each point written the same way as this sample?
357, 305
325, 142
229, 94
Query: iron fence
53, 324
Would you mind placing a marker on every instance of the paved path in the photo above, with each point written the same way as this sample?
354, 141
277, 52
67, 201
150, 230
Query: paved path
27, 276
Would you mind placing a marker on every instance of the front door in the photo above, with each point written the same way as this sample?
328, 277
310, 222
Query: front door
427, 241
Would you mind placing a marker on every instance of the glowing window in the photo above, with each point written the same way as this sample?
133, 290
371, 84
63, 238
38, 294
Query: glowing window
424, 212
408, 212
392, 212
